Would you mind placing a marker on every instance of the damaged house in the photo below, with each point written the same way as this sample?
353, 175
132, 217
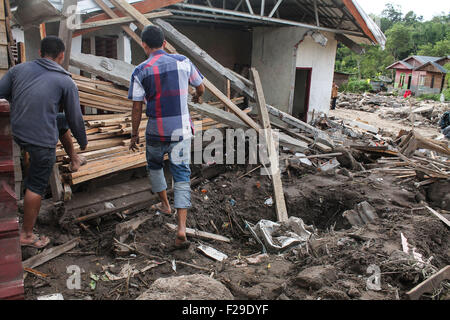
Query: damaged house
420, 74
291, 42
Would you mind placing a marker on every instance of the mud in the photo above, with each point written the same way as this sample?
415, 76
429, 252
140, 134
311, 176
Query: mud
223, 204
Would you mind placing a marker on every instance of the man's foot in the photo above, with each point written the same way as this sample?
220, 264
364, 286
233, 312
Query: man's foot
162, 208
181, 242
34, 241
76, 163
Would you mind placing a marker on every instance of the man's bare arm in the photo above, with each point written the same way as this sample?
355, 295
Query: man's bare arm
199, 91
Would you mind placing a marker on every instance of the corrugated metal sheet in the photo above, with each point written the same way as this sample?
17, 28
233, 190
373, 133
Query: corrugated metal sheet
11, 272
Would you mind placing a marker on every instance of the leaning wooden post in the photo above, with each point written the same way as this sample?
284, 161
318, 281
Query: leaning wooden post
65, 32
272, 150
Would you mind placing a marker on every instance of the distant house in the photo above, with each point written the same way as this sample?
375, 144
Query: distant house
341, 78
420, 74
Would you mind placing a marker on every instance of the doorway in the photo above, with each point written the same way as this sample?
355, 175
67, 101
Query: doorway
301, 93
409, 81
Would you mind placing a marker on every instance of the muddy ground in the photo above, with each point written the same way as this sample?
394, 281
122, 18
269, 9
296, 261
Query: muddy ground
334, 265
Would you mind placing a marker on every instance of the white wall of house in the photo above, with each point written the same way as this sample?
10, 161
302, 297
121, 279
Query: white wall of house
277, 52
321, 60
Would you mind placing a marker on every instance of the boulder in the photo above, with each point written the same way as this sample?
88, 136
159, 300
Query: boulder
316, 277
192, 287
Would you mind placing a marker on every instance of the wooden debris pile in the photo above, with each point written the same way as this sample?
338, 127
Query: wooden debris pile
109, 134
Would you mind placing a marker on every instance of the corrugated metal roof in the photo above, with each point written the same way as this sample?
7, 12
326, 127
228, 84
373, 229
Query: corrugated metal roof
11, 272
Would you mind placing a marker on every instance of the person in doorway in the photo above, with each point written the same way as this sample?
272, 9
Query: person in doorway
36, 91
334, 95
163, 82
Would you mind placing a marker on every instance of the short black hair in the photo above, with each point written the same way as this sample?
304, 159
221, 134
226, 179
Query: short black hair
52, 46
153, 37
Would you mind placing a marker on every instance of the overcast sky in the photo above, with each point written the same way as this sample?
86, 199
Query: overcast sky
427, 9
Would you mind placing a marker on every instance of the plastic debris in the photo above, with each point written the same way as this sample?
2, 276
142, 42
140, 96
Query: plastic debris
212, 253
109, 205
276, 237
174, 266
269, 202
233, 202
53, 296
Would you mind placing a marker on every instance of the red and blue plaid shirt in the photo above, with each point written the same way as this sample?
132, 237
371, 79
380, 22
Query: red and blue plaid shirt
163, 81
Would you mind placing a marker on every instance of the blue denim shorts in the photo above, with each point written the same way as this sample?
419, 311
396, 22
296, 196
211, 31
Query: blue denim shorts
179, 157
42, 160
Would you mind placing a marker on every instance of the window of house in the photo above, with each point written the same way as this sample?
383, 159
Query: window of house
422, 80
402, 80
432, 82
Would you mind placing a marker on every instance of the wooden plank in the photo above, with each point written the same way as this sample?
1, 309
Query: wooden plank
430, 284
123, 20
143, 6
112, 14
439, 216
200, 56
56, 184
124, 228
49, 254
118, 167
200, 234
280, 203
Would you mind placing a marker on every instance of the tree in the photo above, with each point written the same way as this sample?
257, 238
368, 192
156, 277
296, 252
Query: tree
439, 49
389, 16
399, 41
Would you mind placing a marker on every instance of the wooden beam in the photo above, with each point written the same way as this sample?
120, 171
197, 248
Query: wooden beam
430, 284
49, 254
112, 14
272, 150
122, 20
143, 6
439, 216
65, 33
200, 234
56, 184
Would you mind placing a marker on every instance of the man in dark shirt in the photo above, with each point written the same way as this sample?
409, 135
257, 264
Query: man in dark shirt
36, 90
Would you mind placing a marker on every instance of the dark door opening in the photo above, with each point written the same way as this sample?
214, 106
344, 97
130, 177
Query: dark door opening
301, 93
409, 81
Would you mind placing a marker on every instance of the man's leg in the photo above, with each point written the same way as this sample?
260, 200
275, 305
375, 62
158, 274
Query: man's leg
155, 162
66, 140
179, 167
41, 165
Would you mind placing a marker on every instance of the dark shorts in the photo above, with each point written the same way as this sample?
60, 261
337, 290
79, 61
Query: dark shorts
42, 160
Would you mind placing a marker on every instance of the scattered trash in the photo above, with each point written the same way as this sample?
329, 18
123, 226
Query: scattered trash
109, 205
277, 237
212, 253
258, 259
330, 165
174, 266
53, 296
93, 284
233, 202
269, 202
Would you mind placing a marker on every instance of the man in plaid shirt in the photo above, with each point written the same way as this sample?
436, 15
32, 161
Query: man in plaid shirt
163, 82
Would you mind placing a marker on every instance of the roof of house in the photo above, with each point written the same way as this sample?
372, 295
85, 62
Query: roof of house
438, 67
423, 60
344, 16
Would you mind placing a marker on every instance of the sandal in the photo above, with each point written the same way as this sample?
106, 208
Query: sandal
43, 239
158, 208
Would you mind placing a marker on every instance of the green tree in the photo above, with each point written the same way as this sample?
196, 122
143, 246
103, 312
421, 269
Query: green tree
399, 41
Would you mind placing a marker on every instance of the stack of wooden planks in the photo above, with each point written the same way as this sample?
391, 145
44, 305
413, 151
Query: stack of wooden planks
109, 134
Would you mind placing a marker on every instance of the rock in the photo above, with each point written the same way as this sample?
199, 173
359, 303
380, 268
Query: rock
192, 287
332, 294
315, 277
353, 293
